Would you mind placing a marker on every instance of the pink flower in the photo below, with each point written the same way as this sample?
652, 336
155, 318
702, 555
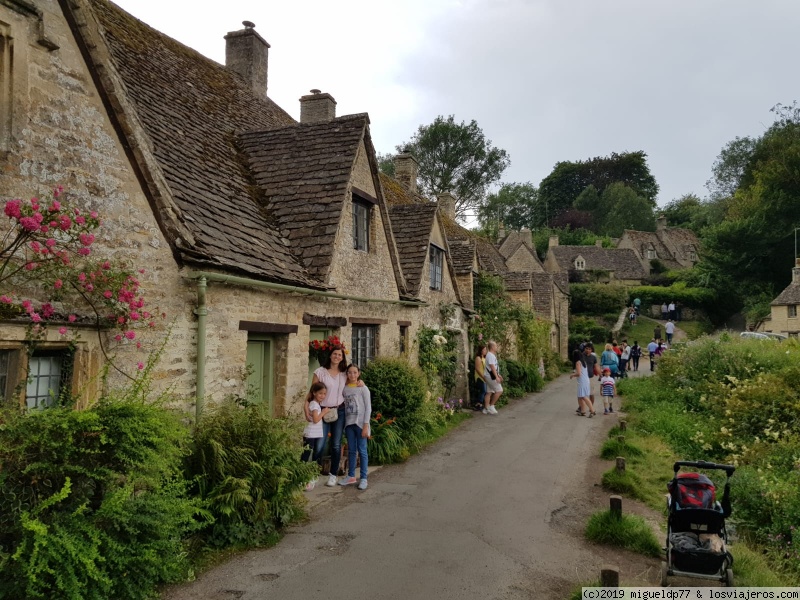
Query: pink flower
31, 266
107, 294
80, 220
134, 316
118, 337
64, 222
93, 214
84, 251
35, 317
44, 229
35, 246
55, 206
47, 310
50, 242
82, 277
89, 287
62, 330
72, 318
26, 304
5, 299
86, 239
12, 209
121, 320
58, 191
140, 365
106, 265
58, 284
29, 223
151, 324
130, 334
138, 344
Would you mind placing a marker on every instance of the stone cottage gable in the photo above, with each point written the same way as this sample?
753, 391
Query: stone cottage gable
647, 246
178, 113
519, 253
622, 262
789, 296
462, 253
412, 225
303, 173
683, 243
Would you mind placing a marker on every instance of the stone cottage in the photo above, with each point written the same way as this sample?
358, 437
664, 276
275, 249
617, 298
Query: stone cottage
584, 264
783, 310
674, 247
258, 233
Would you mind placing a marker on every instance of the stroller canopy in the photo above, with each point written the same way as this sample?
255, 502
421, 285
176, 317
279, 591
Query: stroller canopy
693, 490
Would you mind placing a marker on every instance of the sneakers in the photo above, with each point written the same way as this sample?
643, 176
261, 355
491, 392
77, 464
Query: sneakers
486, 412
362, 485
610, 408
492, 410
347, 480
605, 411
331, 480
310, 485
590, 415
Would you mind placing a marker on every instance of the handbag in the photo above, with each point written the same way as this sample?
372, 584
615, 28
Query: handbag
331, 416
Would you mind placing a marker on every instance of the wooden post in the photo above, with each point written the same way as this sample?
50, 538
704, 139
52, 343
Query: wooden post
616, 506
620, 464
609, 577
621, 439
623, 425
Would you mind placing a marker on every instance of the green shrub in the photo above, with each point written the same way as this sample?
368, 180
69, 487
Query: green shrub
247, 468
385, 444
613, 448
519, 375
692, 297
625, 482
92, 503
597, 298
630, 532
398, 390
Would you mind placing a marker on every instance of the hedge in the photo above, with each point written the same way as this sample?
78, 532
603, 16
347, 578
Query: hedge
597, 298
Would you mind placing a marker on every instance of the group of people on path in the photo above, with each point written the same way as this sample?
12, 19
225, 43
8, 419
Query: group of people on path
487, 377
338, 402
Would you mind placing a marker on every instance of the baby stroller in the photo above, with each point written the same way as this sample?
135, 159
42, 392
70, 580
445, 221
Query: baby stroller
696, 534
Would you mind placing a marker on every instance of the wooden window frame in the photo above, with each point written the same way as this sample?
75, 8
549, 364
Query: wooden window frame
362, 217
364, 350
436, 259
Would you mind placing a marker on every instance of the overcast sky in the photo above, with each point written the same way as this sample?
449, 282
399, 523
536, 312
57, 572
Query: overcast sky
546, 80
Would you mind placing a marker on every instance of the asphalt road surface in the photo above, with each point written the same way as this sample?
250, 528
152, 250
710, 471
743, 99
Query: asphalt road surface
473, 516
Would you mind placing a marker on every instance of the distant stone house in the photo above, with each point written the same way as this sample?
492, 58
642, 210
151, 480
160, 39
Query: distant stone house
674, 247
784, 309
258, 233
519, 252
594, 263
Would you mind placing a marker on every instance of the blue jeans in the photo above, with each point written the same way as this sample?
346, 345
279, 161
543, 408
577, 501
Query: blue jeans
314, 450
356, 444
335, 429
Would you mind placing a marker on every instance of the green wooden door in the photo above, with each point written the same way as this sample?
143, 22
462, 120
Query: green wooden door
261, 364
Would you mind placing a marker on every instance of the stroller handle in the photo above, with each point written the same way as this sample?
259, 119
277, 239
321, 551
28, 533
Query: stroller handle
701, 464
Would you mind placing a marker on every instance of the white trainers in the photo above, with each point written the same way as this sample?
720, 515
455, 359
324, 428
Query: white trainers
331, 480
362, 485
310, 485
492, 410
486, 412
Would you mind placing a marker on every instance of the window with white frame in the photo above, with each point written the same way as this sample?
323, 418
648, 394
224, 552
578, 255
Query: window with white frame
361, 218
437, 262
580, 264
792, 310
651, 254
363, 344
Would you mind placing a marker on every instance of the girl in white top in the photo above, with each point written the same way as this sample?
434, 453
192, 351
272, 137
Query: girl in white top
313, 437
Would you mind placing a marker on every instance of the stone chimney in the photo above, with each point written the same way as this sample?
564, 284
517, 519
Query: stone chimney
598, 243
796, 271
317, 107
527, 237
501, 232
447, 205
247, 54
661, 223
406, 169
553, 241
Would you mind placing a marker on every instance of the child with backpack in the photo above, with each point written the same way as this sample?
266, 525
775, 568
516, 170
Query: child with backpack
313, 438
608, 389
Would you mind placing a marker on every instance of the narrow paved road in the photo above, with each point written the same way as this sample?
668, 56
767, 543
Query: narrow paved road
474, 516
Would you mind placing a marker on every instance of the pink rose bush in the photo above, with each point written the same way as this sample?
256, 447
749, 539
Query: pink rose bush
48, 254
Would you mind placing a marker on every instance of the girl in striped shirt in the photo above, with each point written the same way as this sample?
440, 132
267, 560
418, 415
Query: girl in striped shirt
608, 389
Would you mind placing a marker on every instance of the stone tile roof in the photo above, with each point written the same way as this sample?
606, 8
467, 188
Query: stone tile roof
191, 108
642, 241
562, 281
623, 262
542, 293
791, 295
302, 172
412, 225
516, 281
462, 253
683, 241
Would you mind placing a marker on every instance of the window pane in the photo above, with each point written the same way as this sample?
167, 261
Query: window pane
44, 380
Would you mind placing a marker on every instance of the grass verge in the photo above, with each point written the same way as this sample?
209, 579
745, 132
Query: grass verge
630, 532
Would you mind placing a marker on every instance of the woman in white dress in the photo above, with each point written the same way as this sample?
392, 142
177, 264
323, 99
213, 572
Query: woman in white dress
584, 388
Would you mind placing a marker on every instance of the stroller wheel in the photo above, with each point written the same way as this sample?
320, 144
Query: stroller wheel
665, 573
729, 577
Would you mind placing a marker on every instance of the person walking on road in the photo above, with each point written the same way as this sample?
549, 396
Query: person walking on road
493, 380
657, 333
669, 328
651, 350
636, 354
624, 359
673, 314
590, 360
585, 408
480, 370
664, 311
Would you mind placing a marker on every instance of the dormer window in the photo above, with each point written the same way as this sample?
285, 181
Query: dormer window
361, 218
580, 264
692, 255
651, 253
437, 262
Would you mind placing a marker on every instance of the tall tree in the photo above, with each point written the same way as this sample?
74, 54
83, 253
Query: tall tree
456, 157
559, 190
515, 205
385, 163
689, 211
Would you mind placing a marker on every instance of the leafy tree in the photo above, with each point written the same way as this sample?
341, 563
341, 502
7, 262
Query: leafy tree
730, 167
622, 208
456, 157
567, 236
386, 163
559, 190
689, 211
515, 205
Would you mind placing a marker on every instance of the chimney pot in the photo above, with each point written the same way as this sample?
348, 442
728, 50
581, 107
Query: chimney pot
247, 55
552, 242
447, 205
317, 107
527, 237
406, 169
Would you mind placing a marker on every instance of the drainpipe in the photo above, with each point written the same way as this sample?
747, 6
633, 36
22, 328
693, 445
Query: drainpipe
202, 312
